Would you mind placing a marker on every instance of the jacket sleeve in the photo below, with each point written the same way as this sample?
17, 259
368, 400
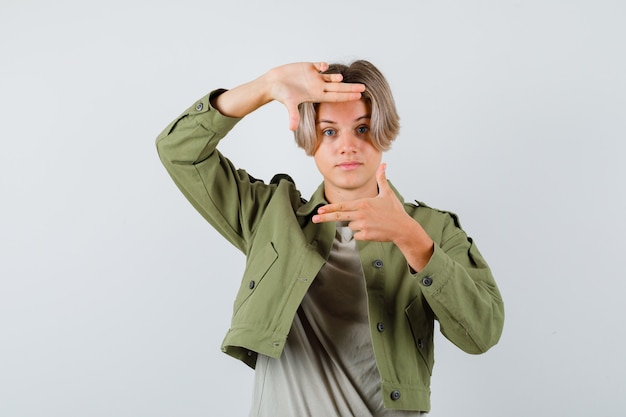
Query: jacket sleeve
228, 198
459, 287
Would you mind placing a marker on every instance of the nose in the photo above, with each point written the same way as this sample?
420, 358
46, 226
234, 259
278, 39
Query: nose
348, 143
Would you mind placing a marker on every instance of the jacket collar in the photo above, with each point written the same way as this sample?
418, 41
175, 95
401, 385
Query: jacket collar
316, 200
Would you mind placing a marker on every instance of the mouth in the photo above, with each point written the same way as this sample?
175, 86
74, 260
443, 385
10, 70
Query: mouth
349, 165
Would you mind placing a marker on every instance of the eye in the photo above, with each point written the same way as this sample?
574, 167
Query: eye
329, 132
363, 129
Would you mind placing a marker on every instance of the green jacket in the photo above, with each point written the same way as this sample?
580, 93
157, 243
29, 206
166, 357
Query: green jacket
271, 224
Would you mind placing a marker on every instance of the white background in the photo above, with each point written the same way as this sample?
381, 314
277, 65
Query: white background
115, 294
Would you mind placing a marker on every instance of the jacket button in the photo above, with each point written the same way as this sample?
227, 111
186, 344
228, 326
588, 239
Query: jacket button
420, 343
251, 284
427, 281
395, 395
377, 263
380, 326
199, 106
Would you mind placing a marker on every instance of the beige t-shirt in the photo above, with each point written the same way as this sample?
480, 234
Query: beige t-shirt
327, 367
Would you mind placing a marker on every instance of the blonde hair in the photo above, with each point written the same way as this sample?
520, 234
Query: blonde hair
385, 122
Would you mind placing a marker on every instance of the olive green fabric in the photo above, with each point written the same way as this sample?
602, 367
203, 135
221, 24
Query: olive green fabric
271, 224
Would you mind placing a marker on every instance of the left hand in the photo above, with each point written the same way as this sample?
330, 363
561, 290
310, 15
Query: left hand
377, 219
383, 219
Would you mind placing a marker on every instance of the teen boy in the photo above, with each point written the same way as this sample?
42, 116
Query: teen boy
337, 303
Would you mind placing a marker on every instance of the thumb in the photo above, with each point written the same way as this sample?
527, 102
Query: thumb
294, 117
381, 179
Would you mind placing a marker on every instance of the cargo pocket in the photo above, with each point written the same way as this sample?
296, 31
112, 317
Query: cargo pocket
260, 262
422, 327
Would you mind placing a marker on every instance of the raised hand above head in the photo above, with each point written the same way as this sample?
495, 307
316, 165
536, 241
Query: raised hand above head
302, 82
289, 84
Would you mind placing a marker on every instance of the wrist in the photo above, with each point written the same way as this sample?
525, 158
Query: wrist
265, 86
244, 99
415, 244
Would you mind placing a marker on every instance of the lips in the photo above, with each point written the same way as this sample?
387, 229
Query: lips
349, 165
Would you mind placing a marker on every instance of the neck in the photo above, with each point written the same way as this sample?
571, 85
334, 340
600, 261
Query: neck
334, 196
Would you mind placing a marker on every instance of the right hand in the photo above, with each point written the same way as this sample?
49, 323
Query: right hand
297, 83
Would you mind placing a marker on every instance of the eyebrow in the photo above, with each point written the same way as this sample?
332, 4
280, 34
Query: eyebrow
365, 116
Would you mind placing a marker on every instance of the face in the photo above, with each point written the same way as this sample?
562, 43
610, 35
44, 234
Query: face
345, 155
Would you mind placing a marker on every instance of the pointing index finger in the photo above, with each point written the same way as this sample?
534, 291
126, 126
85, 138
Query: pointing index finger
330, 213
329, 208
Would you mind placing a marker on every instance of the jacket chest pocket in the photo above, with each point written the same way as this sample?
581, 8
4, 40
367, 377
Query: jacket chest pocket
256, 269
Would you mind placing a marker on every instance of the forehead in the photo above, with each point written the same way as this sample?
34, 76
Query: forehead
346, 111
